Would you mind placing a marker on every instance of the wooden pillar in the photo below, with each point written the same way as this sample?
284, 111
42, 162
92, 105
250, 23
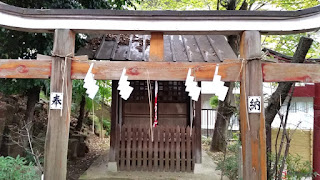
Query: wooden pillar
114, 123
156, 47
56, 145
197, 126
316, 132
253, 136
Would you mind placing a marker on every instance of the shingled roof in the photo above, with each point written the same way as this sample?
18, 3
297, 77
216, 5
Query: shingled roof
177, 48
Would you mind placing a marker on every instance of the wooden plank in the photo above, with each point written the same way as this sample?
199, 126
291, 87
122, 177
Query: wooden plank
193, 157
139, 151
29, 69
118, 147
134, 45
156, 47
134, 147
111, 70
145, 147
252, 125
150, 151
157, 70
183, 149
209, 55
121, 53
128, 148
178, 148
167, 148
309, 73
178, 48
168, 56
197, 127
114, 122
57, 137
221, 47
123, 147
161, 149
146, 48
192, 49
156, 149
105, 49
173, 137
189, 148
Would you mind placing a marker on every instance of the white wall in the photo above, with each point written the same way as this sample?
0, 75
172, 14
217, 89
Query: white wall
300, 114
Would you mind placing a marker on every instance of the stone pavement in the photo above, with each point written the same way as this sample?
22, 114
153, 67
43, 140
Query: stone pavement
98, 171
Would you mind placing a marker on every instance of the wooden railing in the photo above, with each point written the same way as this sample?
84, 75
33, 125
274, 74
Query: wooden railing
170, 150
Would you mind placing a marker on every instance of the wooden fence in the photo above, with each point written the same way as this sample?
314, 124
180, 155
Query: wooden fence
171, 149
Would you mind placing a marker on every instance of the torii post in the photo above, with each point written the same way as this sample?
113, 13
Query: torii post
57, 136
253, 135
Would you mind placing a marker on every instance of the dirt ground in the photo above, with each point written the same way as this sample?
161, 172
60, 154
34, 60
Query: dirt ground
78, 166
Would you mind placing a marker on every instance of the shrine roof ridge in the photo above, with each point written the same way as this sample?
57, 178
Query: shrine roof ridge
169, 22
26, 12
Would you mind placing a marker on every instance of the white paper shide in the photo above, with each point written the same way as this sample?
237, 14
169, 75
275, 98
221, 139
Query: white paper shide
124, 86
192, 87
217, 86
90, 83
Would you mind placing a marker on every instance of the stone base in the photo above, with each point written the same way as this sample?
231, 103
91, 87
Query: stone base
112, 167
197, 168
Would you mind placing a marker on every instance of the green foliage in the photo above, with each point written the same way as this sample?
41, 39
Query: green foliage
105, 91
16, 169
224, 4
74, 4
287, 44
206, 141
177, 5
234, 147
294, 4
230, 165
107, 126
214, 101
21, 86
296, 168
30, 158
44, 96
78, 90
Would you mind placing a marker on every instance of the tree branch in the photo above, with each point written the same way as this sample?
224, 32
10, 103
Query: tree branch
284, 87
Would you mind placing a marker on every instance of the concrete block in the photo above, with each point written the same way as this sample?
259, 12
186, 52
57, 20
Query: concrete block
112, 167
197, 168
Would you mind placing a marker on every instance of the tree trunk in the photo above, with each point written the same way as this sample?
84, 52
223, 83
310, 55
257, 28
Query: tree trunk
281, 93
225, 108
81, 113
33, 98
224, 113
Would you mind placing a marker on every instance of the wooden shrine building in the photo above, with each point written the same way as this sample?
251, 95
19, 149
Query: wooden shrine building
167, 62
176, 142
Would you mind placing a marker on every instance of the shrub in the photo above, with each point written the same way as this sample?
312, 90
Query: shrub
16, 169
229, 166
297, 168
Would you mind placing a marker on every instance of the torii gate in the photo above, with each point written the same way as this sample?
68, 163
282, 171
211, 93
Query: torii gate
251, 71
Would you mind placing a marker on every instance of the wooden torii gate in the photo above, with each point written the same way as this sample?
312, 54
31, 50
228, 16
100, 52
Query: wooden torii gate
62, 67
